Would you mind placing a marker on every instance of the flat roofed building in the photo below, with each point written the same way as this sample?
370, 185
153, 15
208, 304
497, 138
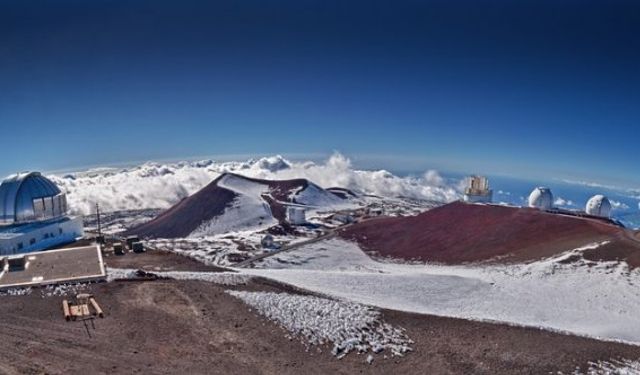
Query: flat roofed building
79, 264
296, 216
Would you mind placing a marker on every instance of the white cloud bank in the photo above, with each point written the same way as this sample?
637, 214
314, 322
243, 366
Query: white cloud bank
156, 185
561, 202
616, 205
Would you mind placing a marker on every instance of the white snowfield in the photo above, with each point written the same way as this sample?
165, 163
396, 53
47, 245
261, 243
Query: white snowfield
243, 186
248, 211
349, 326
599, 300
245, 213
313, 195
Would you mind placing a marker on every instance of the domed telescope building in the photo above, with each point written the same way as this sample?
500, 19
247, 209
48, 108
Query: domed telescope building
33, 215
477, 190
599, 205
541, 198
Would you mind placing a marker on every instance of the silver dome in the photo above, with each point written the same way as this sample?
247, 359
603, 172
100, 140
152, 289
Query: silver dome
541, 198
599, 205
27, 197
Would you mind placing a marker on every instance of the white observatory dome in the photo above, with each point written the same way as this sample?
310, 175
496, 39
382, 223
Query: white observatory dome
599, 205
541, 198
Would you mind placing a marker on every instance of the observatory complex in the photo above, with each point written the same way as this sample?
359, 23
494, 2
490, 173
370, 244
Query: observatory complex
598, 206
478, 191
541, 198
33, 215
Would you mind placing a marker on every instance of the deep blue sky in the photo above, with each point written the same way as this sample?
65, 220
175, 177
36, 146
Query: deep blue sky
528, 88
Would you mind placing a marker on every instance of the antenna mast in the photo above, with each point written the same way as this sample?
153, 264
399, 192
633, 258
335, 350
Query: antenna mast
98, 215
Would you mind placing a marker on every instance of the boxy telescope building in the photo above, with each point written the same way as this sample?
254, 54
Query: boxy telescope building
33, 215
478, 190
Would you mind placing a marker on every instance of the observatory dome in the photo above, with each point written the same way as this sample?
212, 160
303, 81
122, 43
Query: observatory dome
28, 197
542, 198
599, 205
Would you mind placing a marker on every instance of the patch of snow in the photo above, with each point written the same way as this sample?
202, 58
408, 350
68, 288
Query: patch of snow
63, 290
614, 367
121, 273
245, 213
314, 195
222, 278
369, 359
598, 300
348, 326
243, 186
223, 249
16, 292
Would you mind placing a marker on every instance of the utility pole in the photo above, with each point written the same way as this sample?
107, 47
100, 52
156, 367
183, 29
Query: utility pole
98, 215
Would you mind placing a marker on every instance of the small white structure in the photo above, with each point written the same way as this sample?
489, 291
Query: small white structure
477, 190
599, 205
296, 216
541, 198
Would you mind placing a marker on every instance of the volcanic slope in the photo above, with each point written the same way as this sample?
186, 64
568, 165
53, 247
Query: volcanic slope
234, 202
459, 233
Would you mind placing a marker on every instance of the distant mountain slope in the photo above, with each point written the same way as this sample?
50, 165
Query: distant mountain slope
459, 232
235, 202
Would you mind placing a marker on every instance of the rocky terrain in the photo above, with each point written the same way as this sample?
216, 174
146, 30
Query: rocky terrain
462, 233
168, 326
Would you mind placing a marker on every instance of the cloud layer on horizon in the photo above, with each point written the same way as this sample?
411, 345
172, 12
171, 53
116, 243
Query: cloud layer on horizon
157, 185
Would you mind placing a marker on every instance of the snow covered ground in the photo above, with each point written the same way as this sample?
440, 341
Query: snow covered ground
245, 213
224, 249
618, 367
348, 326
598, 300
49, 290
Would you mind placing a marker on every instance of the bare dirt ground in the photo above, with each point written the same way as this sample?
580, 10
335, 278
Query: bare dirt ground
463, 233
150, 260
193, 327
157, 260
